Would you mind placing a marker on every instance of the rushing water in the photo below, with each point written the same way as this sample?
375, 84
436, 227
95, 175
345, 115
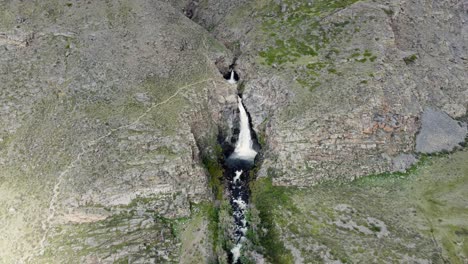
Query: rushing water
232, 79
239, 163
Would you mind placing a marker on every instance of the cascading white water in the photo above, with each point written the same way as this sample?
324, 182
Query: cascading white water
232, 80
244, 150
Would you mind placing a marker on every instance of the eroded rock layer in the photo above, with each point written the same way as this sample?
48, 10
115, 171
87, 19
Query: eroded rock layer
339, 87
103, 108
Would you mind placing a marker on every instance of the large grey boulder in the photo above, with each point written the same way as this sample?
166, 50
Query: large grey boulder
439, 132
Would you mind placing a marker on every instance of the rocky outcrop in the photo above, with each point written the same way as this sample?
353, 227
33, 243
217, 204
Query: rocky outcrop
103, 104
108, 107
439, 132
339, 89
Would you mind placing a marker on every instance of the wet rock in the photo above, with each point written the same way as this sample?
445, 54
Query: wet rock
439, 132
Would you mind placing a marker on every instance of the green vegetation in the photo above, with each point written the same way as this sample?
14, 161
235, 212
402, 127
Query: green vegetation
296, 44
426, 202
410, 59
117, 232
367, 53
267, 199
392, 176
362, 60
216, 171
286, 51
305, 44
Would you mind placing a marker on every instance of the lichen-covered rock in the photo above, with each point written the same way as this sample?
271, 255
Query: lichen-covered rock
439, 132
338, 88
103, 104
402, 162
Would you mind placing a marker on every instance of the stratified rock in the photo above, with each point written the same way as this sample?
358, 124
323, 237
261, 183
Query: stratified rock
439, 132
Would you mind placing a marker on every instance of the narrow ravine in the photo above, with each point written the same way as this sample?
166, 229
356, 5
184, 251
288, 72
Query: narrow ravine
238, 166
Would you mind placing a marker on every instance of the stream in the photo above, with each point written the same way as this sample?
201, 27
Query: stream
238, 166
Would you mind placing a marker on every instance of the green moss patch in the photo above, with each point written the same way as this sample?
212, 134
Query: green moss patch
267, 199
410, 59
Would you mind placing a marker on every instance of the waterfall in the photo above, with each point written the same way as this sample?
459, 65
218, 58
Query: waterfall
232, 80
241, 160
244, 150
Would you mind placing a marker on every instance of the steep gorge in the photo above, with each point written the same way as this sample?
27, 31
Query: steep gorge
114, 113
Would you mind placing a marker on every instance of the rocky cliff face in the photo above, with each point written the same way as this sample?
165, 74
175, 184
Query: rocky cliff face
108, 109
103, 107
339, 87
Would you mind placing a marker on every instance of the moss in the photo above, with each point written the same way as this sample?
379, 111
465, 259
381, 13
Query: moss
316, 66
286, 51
266, 199
410, 59
375, 228
367, 53
423, 159
213, 163
216, 173
314, 85
241, 87
362, 60
316, 37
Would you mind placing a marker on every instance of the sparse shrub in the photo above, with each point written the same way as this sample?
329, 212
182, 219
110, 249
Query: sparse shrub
410, 59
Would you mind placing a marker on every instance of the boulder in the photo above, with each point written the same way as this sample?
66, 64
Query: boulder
439, 132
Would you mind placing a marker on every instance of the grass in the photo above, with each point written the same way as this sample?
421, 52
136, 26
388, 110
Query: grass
426, 202
297, 44
307, 46
266, 199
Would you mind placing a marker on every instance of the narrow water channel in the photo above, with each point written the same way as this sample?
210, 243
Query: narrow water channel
239, 164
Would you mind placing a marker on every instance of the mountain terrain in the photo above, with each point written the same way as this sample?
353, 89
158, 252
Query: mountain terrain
116, 121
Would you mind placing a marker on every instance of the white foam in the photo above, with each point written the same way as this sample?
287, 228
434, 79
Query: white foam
244, 222
244, 145
244, 230
232, 80
241, 203
236, 252
237, 177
